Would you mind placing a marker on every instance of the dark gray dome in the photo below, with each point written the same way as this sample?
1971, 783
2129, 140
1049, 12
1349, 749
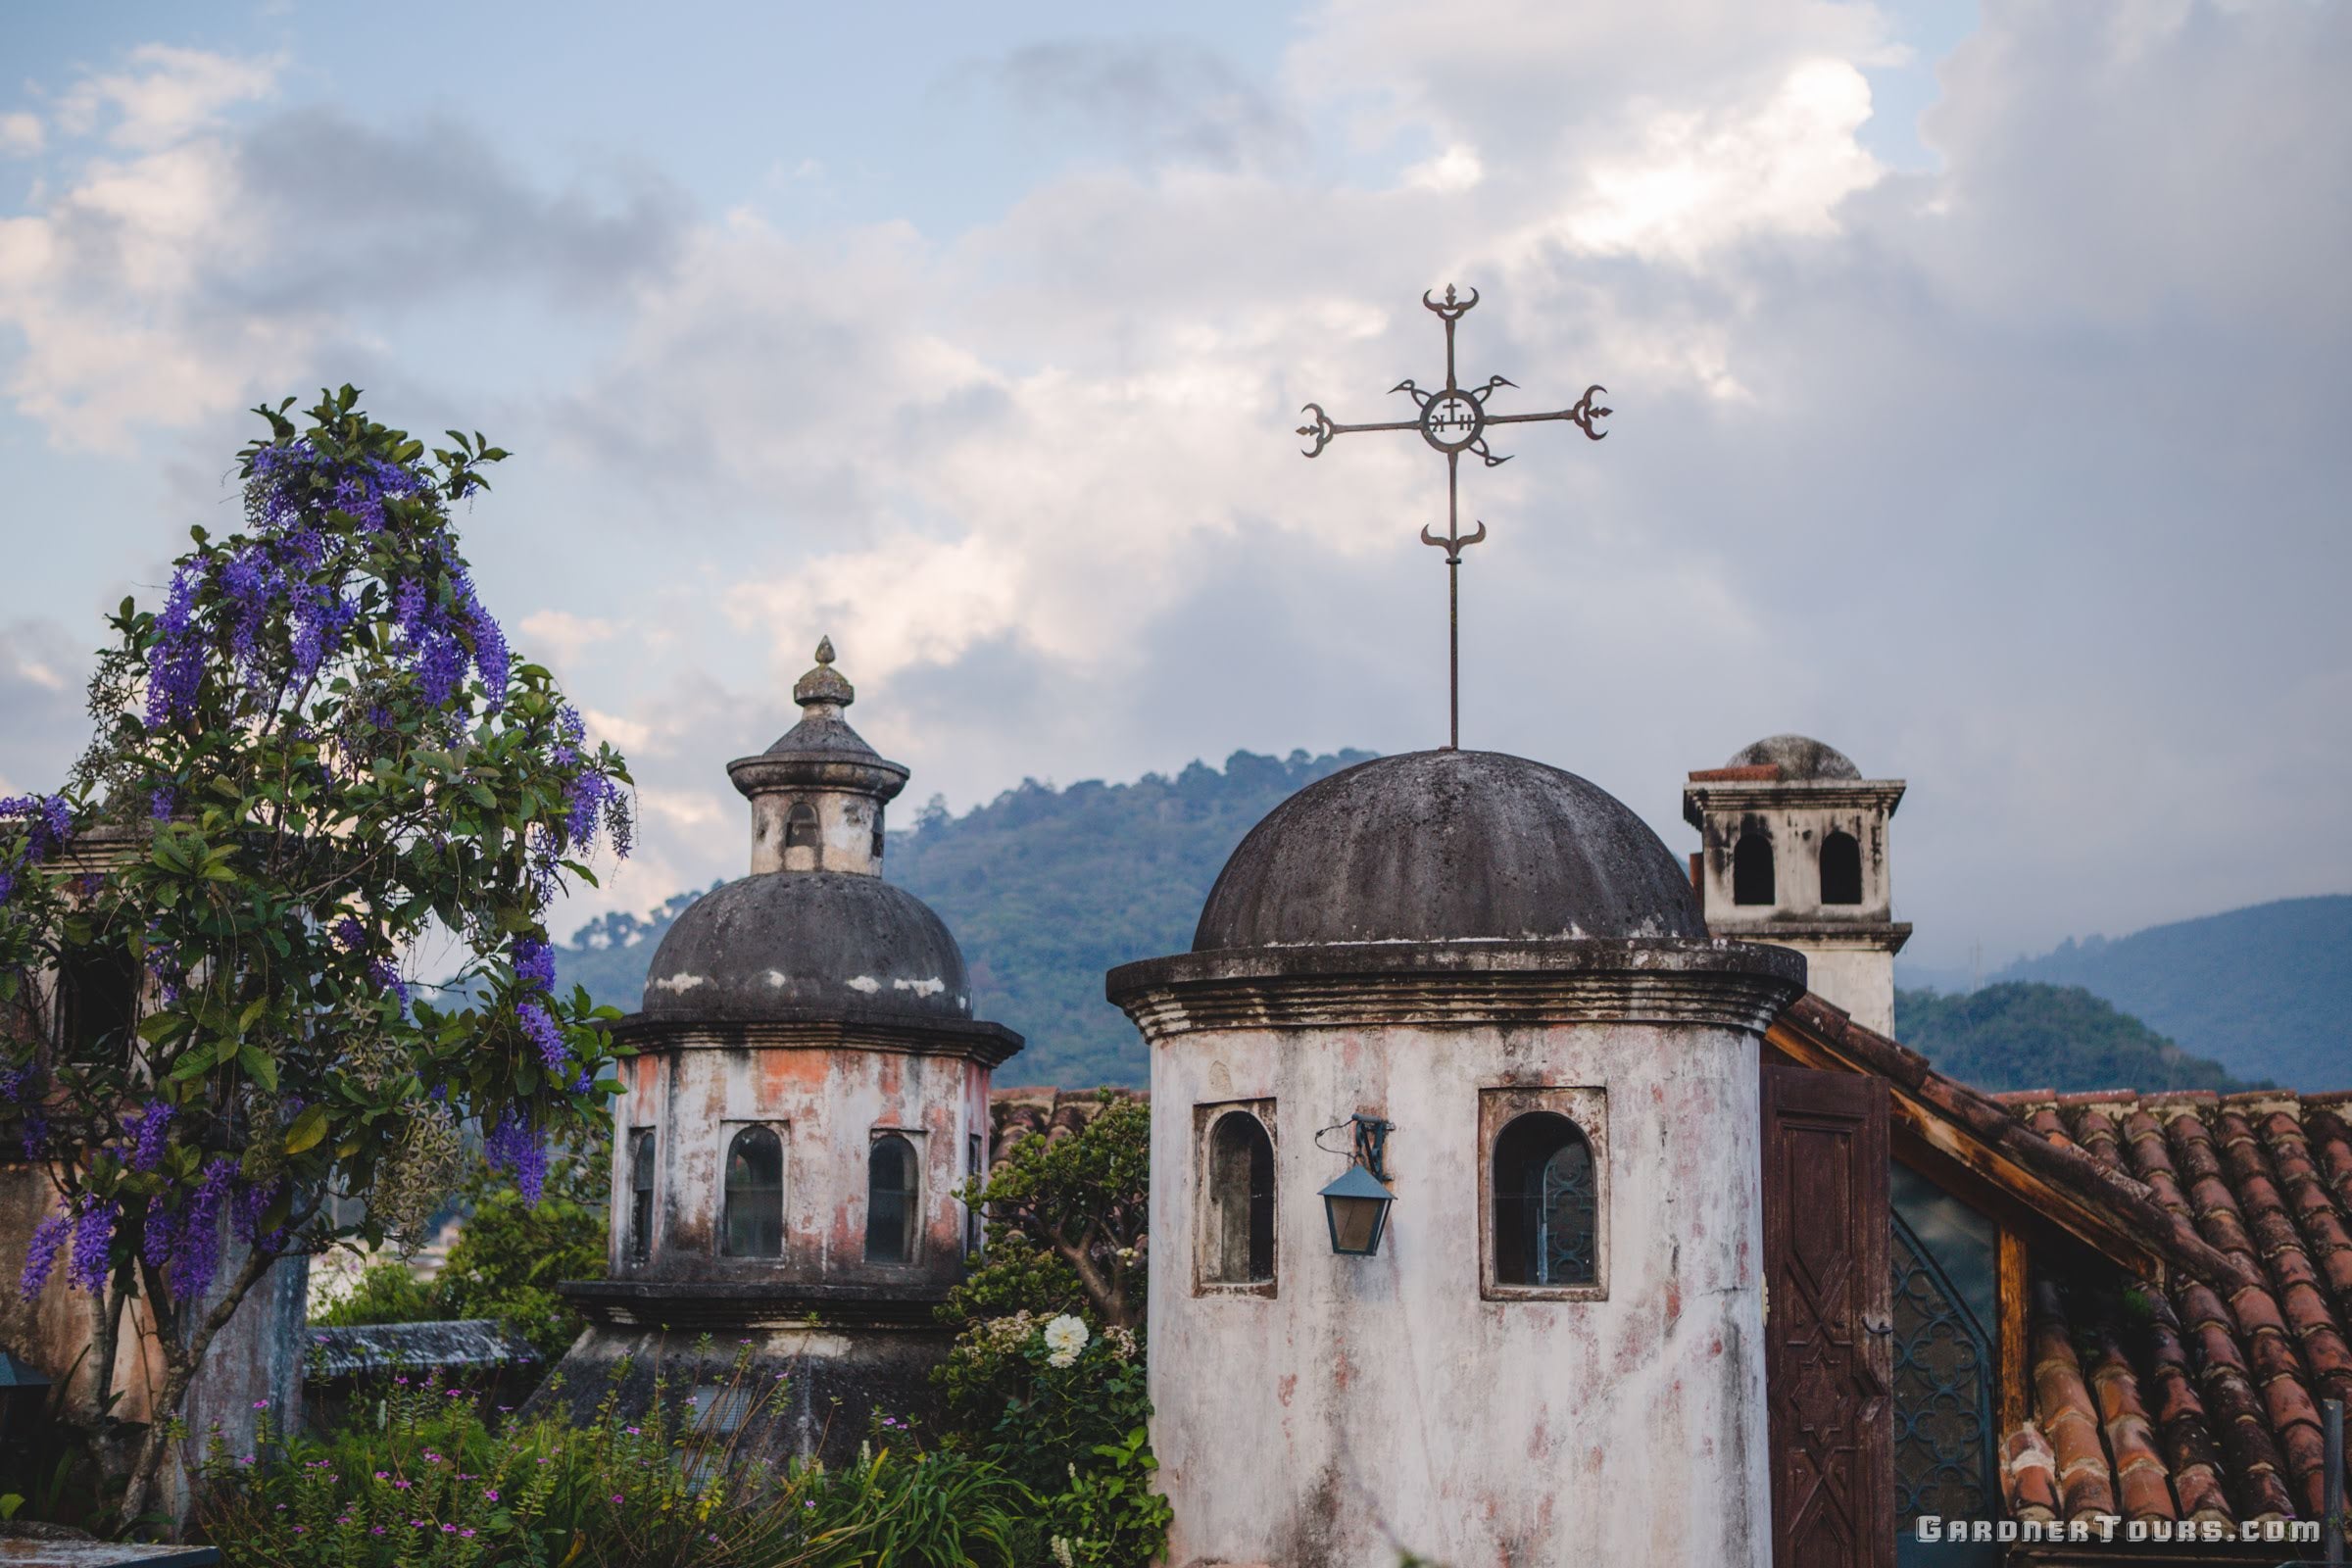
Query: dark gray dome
790, 944
1799, 758
1447, 845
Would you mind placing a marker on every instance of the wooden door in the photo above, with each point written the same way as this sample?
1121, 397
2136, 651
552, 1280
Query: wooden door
1829, 1358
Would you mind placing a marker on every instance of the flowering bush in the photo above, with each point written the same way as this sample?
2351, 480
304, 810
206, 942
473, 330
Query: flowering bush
319, 752
427, 1477
1063, 1411
1032, 1383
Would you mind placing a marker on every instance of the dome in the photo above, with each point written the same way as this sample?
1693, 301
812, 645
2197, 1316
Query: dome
789, 944
1799, 758
1449, 846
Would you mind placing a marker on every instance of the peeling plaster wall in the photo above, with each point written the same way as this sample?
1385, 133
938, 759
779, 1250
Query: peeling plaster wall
1796, 833
827, 1103
259, 1355
1377, 1404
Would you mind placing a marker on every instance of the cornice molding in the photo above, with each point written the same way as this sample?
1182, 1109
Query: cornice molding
1465, 985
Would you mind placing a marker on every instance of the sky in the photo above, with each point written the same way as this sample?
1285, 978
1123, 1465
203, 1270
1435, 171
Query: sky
1977, 374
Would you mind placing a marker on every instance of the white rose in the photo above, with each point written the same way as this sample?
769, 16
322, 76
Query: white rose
1065, 1337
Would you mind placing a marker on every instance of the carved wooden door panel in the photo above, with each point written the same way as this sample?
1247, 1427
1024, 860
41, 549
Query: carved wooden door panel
1829, 1363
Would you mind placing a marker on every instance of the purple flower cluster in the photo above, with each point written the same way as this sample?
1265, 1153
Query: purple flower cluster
294, 476
175, 664
542, 1029
187, 1240
163, 962
90, 1258
513, 1145
49, 822
435, 636
147, 1134
245, 1215
534, 964
40, 1256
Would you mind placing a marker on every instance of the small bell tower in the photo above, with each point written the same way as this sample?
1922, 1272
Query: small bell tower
1795, 853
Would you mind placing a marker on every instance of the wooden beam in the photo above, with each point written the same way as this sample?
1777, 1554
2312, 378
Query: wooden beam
1981, 1173
2013, 1399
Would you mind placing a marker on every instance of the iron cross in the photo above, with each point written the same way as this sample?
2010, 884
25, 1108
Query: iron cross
1455, 420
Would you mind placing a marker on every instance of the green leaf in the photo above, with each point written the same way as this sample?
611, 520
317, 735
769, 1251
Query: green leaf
258, 1066
158, 1027
308, 1129
195, 1062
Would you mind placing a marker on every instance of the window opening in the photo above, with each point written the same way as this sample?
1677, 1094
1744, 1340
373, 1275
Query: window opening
1241, 1200
641, 1194
1546, 1203
755, 1195
1751, 868
971, 1209
890, 1200
1840, 868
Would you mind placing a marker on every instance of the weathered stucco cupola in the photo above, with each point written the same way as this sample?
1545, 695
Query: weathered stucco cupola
1796, 852
1481, 986
810, 1092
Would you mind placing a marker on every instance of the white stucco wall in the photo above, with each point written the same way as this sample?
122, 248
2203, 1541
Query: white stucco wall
1860, 978
1376, 1403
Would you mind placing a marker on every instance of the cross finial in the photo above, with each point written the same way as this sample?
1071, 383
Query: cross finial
1455, 420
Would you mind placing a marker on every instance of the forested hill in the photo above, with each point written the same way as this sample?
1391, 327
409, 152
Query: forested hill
2266, 991
1045, 889
2018, 1035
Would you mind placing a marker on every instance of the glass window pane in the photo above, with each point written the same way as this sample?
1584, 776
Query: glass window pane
755, 1195
890, 1207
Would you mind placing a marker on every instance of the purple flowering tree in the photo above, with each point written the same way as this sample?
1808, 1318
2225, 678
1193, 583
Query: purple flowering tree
316, 760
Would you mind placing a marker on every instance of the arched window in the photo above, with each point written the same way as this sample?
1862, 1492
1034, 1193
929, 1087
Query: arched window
1751, 867
641, 1194
754, 1218
889, 1208
800, 826
1546, 1203
1240, 1235
1840, 868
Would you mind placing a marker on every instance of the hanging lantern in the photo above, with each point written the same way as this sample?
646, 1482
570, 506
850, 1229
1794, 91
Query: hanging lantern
1356, 1204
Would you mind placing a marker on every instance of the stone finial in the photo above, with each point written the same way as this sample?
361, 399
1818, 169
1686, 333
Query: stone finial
824, 684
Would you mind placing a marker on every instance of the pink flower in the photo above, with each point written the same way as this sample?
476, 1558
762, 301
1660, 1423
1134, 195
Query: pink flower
490, 1493
616, 1496
260, 1405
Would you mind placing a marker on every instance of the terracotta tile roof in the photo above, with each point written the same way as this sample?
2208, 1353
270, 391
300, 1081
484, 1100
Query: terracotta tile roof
1055, 1112
2200, 1399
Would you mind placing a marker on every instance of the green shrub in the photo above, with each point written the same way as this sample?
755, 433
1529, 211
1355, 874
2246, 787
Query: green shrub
422, 1477
507, 1260
1046, 1379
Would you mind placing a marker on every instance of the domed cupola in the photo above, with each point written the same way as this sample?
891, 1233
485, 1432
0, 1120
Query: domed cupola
805, 1098
813, 931
1447, 845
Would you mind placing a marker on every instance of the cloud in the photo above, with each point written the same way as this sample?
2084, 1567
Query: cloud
41, 674
21, 135
2017, 477
168, 94
1151, 101
212, 262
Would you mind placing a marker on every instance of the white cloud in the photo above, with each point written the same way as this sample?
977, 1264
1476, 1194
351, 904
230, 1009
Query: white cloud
562, 636
167, 95
1933, 463
21, 135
